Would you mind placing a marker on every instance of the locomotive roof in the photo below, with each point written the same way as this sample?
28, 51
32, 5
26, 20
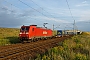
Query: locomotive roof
29, 25
33, 25
36, 26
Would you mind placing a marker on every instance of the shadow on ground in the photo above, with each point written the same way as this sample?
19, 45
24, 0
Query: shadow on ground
13, 40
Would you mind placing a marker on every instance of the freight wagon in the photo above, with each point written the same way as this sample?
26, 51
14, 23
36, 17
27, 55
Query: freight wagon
58, 33
33, 32
61, 33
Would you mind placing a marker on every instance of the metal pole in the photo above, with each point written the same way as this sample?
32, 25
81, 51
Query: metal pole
53, 26
74, 27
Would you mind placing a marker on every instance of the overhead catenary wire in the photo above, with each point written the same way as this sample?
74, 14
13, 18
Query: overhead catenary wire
10, 4
30, 7
11, 10
16, 7
46, 11
33, 8
41, 8
74, 25
69, 9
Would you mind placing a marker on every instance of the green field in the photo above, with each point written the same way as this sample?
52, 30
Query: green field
9, 36
75, 48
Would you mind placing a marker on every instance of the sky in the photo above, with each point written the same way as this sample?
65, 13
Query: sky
60, 13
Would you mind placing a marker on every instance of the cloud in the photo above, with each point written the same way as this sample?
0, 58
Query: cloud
58, 13
15, 17
43, 18
83, 25
10, 18
80, 5
84, 3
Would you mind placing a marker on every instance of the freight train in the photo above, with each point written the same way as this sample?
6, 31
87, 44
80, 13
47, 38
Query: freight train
34, 33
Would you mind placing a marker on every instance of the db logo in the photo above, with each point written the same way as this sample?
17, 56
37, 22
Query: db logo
44, 32
59, 32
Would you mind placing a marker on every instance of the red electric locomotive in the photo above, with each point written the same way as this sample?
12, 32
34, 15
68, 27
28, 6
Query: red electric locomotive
33, 32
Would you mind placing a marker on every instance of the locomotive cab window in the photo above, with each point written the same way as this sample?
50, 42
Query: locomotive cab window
27, 28
22, 28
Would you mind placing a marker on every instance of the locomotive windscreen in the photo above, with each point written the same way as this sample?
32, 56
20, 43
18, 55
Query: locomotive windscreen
24, 28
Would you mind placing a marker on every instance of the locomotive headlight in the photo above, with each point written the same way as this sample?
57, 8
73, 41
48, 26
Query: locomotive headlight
27, 33
20, 33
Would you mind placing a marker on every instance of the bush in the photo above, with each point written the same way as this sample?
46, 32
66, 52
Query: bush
77, 41
80, 57
4, 42
76, 48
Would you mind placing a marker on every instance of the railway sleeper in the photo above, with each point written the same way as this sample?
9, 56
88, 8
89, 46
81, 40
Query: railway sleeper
14, 55
9, 53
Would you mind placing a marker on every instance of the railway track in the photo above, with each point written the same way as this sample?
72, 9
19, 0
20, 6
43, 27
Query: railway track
28, 50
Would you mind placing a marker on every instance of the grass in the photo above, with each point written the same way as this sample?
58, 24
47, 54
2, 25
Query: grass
9, 36
75, 48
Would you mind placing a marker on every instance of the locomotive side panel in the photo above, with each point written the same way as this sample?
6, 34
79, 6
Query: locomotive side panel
50, 33
42, 33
